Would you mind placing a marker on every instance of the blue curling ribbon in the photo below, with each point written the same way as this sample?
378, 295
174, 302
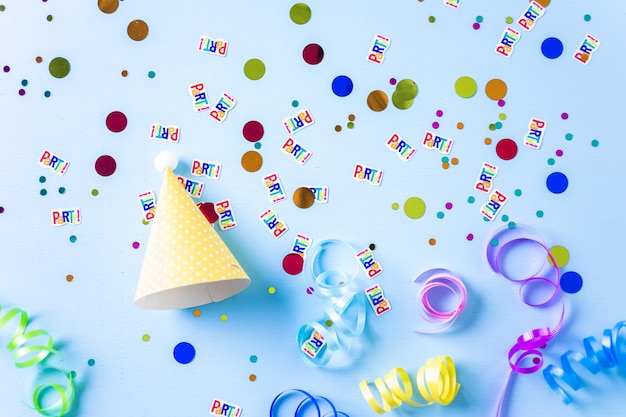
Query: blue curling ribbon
308, 398
608, 354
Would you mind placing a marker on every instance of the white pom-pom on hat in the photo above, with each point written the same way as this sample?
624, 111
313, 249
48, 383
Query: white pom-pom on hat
165, 160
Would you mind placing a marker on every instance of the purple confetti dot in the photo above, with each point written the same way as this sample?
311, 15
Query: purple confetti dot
476, 26
392, 81
470, 237
7, 68
21, 92
435, 125
449, 206
564, 116
439, 113
136, 245
1, 210
559, 152
501, 103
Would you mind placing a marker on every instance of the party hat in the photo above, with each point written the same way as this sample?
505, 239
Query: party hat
186, 263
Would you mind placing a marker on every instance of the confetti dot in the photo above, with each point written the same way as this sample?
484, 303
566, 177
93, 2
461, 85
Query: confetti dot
105, 165
569, 136
224, 318
551, 161
338, 128
91, 362
435, 125
432, 241
479, 19
496, 89
310, 290
254, 69
395, 206
502, 116
2, 7
21, 92
69, 277
465, 87
449, 206
440, 215
95, 192
59, 67
393, 81
49, 18
414, 207
253, 358
506, 149
445, 165
505, 218
559, 152
564, 116
47, 93
595, 143
536, 361
38, 60
439, 113
460, 125
108, 6
501, 103
587, 18
377, 100
494, 242
135, 245
560, 255
372, 246
145, 337
300, 13
571, 282
342, 86
124, 73
271, 290
328, 323
539, 213
454, 161
512, 225
431, 19
313, 54
517, 192
73, 239
42, 179
350, 125
257, 145
508, 20
116, 121
295, 103
253, 131
251, 161
137, 30
293, 263
197, 313
351, 117
61, 190
469, 237
252, 377
471, 199
151, 74
6, 68
544, 3
24, 83
476, 26
552, 48
303, 197
487, 141
184, 352
43, 192
557, 182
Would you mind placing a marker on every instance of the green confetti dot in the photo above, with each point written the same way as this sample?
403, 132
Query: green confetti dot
145, 222
350, 125
471, 199
539, 213
300, 13
494, 242
492, 126
505, 218
43, 191
224, 317
569, 136
551, 161
508, 20
431, 19
466, 87
395, 206
440, 214
145, 337
2, 8
254, 69
502, 116
73, 238
518, 192
595, 143
95, 192
49, 18
414, 207
59, 67
406, 89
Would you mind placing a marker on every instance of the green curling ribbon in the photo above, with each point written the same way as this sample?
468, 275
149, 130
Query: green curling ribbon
25, 356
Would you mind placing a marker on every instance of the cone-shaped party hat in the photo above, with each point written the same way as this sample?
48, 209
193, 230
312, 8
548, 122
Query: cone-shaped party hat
186, 263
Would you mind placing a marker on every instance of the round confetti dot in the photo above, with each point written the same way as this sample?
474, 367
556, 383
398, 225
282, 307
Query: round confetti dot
571, 282
224, 318
479, 19
501, 103
69, 277
539, 213
151, 74
439, 113
476, 26
337, 128
544, 3
551, 161
454, 161
43, 192
95, 192
395, 206
508, 20
300, 13
505, 218
512, 225
293, 263
253, 358
393, 81
295, 103
460, 125
38, 60
445, 159
91, 362
506, 149
2, 7
252, 377
469, 237
487, 141
440, 215
49, 18
105, 165
24, 83
21, 92
492, 126
184, 352
137, 30
342, 86
145, 337
498, 125
560, 255
251, 161
253, 131
61, 190
595, 143
445, 165
73, 239
351, 117
414, 207
564, 116
559, 152
254, 69
377, 100
6, 68
471, 199
431, 19
313, 54
552, 48
465, 87
400, 104
557, 182
569, 136
59, 67
197, 313
372, 246
350, 125
135, 245
116, 121
42, 179
502, 116
328, 323
310, 290
47, 93
517, 192
496, 89
271, 290
536, 361
257, 145
124, 73
435, 125
449, 206
303, 197
494, 242
432, 241
108, 6
587, 18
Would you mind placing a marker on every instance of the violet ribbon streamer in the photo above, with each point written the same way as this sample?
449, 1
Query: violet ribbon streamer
609, 353
528, 344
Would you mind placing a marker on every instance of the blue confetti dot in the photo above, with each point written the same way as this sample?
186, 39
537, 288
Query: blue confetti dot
557, 182
552, 48
184, 353
342, 86
571, 282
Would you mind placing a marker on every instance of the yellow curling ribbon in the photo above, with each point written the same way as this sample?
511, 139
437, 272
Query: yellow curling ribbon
26, 356
436, 383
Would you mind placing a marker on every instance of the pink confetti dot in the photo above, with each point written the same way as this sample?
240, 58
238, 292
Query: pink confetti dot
439, 113
470, 236
309, 290
564, 116
136, 245
435, 125
476, 26
449, 206
559, 152
501, 103
392, 81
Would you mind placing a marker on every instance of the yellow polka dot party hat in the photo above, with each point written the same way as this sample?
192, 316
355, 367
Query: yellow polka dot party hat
186, 263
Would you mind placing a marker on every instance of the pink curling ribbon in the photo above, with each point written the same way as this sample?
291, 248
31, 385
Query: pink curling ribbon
501, 246
27, 352
609, 353
333, 278
434, 279
308, 401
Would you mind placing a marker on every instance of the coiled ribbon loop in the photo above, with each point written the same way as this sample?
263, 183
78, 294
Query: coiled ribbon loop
436, 382
308, 401
608, 354
435, 279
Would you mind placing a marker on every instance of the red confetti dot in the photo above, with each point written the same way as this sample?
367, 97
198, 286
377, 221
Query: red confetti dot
506, 149
293, 263
116, 121
313, 54
536, 361
253, 131
105, 165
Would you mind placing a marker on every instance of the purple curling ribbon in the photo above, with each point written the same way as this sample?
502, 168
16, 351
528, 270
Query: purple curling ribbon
308, 401
609, 353
525, 356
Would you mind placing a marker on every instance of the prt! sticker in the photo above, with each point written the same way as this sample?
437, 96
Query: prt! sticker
368, 263
148, 205
212, 46
379, 47
208, 169
223, 106
313, 345
298, 152
222, 408
398, 146
166, 133
298, 122
377, 300
62, 217
194, 188
485, 177
54, 162
432, 141
370, 175
531, 15
534, 137
507, 41
588, 46
200, 99
226, 216
320, 193
494, 205
275, 190
273, 223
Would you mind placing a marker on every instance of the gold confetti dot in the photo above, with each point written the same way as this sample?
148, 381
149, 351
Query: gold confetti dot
197, 313
38, 60
460, 125
137, 30
252, 377
377, 100
432, 241
454, 161
337, 128
69, 278
124, 73
351, 117
303, 197
487, 141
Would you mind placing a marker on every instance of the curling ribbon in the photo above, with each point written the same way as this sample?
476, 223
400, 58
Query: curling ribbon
609, 353
435, 279
26, 356
527, 345
308, 398
436, 383
318, 342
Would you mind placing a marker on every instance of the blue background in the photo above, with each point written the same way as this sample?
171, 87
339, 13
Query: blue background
93, 317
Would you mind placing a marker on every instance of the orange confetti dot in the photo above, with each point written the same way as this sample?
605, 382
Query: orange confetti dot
445, 165
351, 117
337, 128
487, 141
124, 73
432, 241
197, 313
460, 125
252, 377
69, 278
496, 89
454, 161
38, 60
